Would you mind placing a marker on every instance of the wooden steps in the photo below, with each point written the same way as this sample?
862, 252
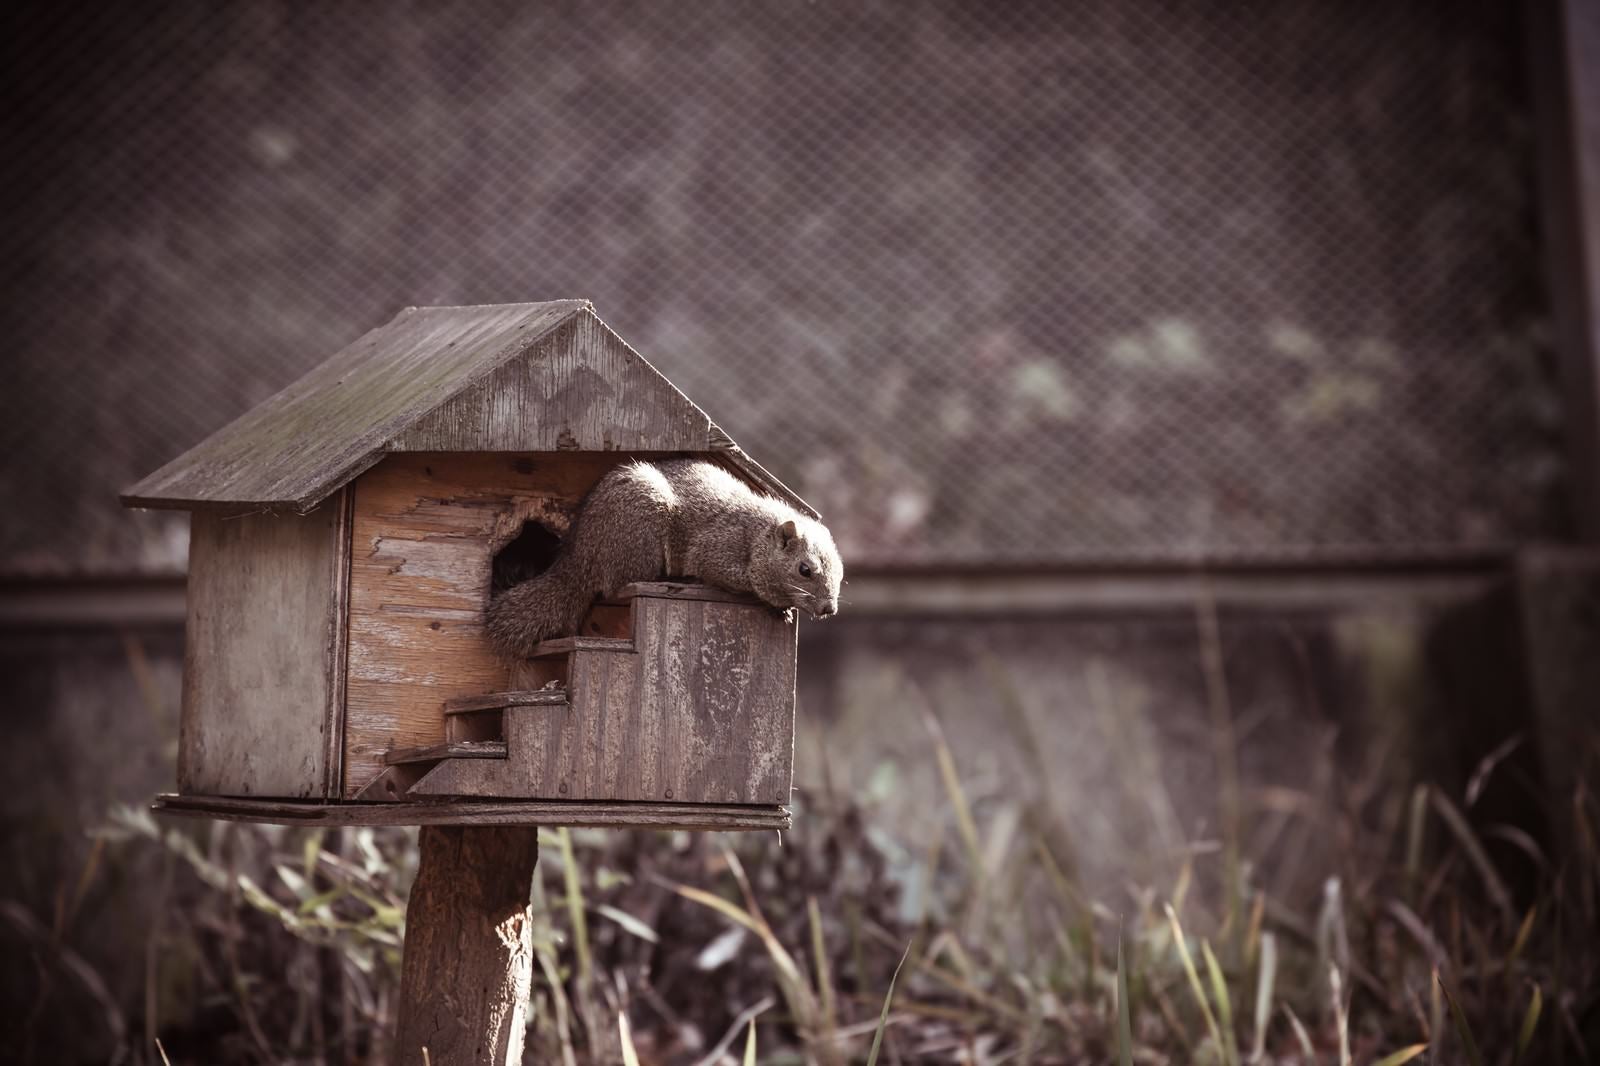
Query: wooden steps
549, 649
458, 749
680, 694
682, 590
497, 701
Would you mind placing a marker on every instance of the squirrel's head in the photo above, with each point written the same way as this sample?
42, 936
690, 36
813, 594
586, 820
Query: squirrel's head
804, 569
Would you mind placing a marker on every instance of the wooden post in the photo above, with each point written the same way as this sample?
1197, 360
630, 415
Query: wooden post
468, 961
1565, 39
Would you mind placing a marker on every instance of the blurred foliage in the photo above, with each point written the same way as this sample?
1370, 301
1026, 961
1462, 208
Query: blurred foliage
282, 945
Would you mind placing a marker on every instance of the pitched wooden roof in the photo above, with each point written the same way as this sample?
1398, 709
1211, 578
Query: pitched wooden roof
503, 377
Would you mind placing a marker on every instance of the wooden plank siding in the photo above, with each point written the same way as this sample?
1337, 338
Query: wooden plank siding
425, 529
700, 710
262, 662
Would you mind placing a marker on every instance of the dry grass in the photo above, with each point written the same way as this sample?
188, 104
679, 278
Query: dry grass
1434, 939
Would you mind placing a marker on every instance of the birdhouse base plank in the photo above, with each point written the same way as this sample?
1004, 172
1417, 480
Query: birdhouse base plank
584, 814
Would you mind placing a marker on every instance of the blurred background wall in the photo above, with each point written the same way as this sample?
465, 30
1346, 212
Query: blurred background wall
1085, 326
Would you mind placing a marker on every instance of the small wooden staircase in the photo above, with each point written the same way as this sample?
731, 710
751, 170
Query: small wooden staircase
687, 699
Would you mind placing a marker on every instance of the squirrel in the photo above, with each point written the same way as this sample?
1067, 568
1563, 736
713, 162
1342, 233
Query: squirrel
674, 518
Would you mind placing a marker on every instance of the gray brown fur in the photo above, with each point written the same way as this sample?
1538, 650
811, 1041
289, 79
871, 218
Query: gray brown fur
678, 518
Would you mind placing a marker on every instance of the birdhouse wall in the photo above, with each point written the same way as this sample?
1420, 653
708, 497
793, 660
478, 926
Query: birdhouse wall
699, 710
425, 528
264, 653
580, 388
689, 699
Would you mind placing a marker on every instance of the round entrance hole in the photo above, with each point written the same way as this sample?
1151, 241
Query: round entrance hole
528, 554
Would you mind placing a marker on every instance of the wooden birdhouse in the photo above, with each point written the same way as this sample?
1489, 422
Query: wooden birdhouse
346, 536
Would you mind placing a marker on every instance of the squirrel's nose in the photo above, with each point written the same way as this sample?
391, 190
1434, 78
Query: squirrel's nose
826, 608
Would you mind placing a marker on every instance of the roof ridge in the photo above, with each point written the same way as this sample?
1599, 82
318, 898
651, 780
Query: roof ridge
514, 303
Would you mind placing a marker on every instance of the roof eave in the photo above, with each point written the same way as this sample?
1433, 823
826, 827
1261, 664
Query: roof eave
724, 446
303, 504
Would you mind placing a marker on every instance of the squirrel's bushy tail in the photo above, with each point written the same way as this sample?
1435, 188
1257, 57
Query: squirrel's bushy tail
545, 606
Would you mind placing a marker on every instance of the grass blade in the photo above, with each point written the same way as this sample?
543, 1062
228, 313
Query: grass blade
1416, 825
1194, 978
1463, 1030
558, 997
1302, 1037
746, 1017
1266, 980
628, 922
575, 915
819, 952
750, 1045
1404, 1055
1485, 768
966, 825
796, 992
1492, 884
630, 1057
544, 953
1333, 936
718, 904
1520, 942
1341, 1014
1530, 1023
1124, 1010
1219, 992
1225, 752
883, 1016
1252, 931
1435, 1014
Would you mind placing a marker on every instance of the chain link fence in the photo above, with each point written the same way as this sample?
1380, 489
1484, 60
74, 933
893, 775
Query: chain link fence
1109, 282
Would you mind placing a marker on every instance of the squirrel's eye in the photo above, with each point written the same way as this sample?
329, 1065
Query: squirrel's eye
805, 569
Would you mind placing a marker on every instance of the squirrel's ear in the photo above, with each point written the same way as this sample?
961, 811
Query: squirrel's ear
787, 532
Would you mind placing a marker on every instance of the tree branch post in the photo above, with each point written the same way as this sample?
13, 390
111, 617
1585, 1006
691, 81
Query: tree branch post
468, 961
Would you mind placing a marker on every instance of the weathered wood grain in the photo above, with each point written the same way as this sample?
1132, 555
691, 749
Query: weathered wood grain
561, 646
598, 815
681, 590
453, 749
337, 648
485, 723
392, 785
296, 448
580, 388
425, 529
534, 377
467, 969
262, 654
496, 700
700, 711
